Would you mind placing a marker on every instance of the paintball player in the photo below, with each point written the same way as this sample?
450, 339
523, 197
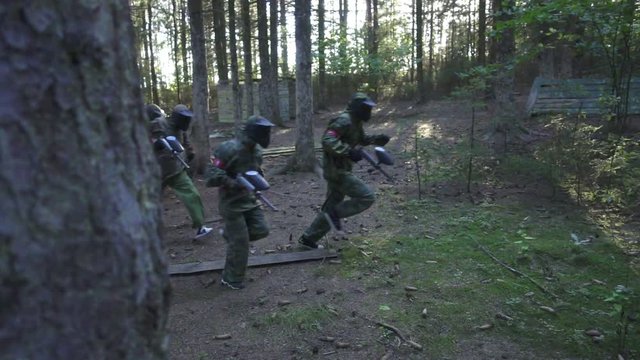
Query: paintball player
340, 144
243, 217
172, 165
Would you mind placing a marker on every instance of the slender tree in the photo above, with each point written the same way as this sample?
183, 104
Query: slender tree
184, 49
482, 32
82, 274
200, 124
152, 59
304, 157
233, 54
285, 51
176, 48
266, 86
248, 57
220, 43
322, 71
273, 42
419, 51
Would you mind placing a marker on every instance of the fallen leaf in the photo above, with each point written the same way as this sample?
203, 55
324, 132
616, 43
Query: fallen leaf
424, 313
484, 327
342, 345
327, 339
548, 309
283, 302
222, 337
503, 317
411, 288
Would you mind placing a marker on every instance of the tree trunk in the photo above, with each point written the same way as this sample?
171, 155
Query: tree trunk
266, 87
432, 39
419, 51
273, 41
505, 52
154, 77
200, 123
482, 32
219, 27
176, 48
233, 53
322, 71
145, 69
82, 270
183, 42
285, 51
342, 46
304, 157
246, 43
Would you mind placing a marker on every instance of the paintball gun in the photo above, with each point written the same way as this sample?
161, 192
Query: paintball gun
383, 158
253, 181
172, 144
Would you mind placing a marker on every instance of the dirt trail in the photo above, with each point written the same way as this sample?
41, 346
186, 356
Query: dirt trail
201, 310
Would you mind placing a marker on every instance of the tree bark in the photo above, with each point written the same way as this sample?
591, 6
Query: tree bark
233, 54
482, 32
219, 27
273, 42
265, 87
176, 48
155, 97
146, 78
322, 71
183, 42
82, 270
505, 51
200, 123
246, 43
304, 157
419, 51
285, 51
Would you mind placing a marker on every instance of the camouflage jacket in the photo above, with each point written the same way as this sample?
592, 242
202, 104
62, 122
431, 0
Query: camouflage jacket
169, 165
343, 133
235, 156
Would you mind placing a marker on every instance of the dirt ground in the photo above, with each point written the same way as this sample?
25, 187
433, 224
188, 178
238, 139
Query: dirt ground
202, 310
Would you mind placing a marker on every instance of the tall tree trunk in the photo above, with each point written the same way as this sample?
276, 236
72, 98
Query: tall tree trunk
432, 39
266, 87
233, 53
342, 46
82, 271
285, 51
200, 123
304, 158
219, 27
419, 51
145, 70
375, 29
246, 43
482, 32
154, 77
505, 51
183, 42
273, 42
176, 48
322, 71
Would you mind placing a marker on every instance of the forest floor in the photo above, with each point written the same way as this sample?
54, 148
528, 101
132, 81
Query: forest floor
418, 275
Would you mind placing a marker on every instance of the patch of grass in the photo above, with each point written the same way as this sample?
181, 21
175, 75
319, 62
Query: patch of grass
460, 287
295, 319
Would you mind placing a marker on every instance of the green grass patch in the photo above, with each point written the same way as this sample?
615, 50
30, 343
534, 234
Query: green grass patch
573, 279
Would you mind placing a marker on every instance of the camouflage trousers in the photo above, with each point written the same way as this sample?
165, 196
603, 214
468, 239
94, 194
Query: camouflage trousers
187, 193
239, 229
361, 197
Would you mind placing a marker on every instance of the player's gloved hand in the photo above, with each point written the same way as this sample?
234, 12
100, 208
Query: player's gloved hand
381, 140
232, 183
190, 156
355, 155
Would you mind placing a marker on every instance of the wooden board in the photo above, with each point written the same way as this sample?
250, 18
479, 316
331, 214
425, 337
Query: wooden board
261, 260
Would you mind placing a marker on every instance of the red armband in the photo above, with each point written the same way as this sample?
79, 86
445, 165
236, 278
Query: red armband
218, 163
332, 133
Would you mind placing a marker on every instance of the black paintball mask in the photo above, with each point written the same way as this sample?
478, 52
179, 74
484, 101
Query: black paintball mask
258, 130
360, 106
153, 111
181, 117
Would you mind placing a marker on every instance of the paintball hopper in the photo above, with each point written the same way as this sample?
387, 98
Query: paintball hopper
383, 156
174, 144
256, 180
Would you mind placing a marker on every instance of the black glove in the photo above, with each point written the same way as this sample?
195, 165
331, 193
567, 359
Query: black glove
355, 155
190, 156
232, 183
381, 140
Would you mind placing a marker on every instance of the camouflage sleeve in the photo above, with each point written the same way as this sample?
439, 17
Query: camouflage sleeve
331, 139
188, 149
217, 170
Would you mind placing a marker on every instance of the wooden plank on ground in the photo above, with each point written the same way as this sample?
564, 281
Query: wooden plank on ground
261, 260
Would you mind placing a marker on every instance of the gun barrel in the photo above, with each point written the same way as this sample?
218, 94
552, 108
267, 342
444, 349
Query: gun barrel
373, 163
265, 201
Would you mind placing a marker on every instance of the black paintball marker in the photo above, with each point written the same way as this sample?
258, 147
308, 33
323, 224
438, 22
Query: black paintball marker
382, 156
253, 181
172, 144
